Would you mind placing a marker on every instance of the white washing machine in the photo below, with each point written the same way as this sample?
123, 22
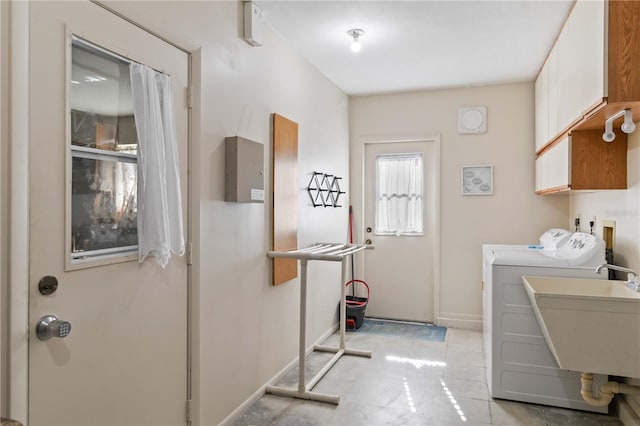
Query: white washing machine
549, 240
520, 366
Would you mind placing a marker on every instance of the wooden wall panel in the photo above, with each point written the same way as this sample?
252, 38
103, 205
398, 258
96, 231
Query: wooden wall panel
285, 196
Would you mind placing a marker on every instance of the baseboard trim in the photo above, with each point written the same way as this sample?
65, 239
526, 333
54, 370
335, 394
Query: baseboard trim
465, 321
259, 393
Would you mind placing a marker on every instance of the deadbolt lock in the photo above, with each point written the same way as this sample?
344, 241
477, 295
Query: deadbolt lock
368, 242
369, 229
48, 285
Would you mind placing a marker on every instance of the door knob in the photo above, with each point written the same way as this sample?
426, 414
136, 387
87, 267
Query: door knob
51, 326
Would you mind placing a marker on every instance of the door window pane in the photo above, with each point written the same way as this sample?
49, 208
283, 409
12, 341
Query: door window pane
399, 205
103, 197
101, 100
104, 154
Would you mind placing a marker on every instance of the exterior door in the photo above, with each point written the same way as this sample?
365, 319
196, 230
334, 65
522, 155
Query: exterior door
400, 271
125, 358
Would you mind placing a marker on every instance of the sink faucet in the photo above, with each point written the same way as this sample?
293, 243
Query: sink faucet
632, 275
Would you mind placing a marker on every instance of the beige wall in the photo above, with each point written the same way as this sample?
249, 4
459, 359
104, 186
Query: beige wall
513, 215
623, 207
247, 330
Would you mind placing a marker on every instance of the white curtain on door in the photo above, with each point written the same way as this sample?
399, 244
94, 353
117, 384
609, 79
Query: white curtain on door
399, 194
160, 231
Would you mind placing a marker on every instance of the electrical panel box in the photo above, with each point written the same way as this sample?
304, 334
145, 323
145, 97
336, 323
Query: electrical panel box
244, 170
252, 23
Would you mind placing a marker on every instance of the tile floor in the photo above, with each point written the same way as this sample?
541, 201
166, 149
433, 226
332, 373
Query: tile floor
408, 382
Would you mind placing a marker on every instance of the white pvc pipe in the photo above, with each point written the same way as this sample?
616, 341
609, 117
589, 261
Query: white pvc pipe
321, 251
324, 370
313, 396
343, 303
629, 389
303, 324
357, 352
347, 351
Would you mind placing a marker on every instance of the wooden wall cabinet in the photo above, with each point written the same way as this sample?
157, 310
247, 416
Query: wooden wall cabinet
583, 161
592, 72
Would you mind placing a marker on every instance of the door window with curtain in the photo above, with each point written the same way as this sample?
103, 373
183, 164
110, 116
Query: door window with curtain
104, 149
399, 194
125, 187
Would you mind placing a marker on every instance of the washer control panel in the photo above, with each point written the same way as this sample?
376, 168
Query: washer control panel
580, 248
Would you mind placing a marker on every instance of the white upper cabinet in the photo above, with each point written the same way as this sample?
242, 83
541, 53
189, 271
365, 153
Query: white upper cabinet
552, 99
586, 52
542, 108
591, 73
563, 78
574, 72
553, 169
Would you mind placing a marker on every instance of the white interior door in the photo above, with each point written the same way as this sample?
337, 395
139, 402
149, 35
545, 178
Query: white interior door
125, 358
400, 271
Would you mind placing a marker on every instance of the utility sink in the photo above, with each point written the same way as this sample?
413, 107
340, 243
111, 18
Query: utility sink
590, 325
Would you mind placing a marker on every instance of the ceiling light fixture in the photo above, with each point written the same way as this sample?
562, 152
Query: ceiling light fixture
356, 33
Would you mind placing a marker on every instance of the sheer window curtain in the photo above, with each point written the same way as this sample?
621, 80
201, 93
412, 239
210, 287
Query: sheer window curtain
160, 232
399, 198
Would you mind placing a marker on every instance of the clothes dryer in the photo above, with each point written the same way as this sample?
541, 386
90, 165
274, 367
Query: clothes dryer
520, 366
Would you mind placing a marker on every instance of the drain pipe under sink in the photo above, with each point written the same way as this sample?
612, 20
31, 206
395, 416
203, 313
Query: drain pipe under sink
606, 391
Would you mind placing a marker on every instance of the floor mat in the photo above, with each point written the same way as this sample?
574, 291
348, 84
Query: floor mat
403, 329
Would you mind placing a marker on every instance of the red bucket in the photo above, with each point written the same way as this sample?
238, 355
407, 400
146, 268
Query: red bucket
356, 306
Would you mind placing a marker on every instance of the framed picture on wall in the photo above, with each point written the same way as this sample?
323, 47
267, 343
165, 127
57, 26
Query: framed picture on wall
477, 180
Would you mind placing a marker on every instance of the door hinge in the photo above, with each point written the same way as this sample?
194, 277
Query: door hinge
189, 93
190, 254
188, 411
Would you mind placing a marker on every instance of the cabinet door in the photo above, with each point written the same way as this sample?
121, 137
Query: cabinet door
596, 164
553, 94
552, 168
541, 162
587, 55
565, 74
542, 108
559, 169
